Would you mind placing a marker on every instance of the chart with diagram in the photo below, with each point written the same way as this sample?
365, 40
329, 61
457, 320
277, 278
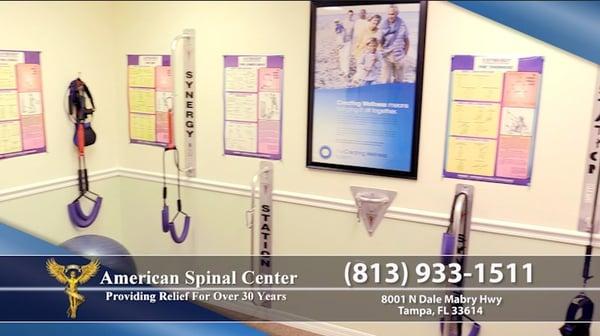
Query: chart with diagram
21, 104
491, 119
253, 106
150, 94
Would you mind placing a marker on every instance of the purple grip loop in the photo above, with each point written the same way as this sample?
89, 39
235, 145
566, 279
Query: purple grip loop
448, 247
475, 330
186, 227
168, 226
165, 218
79, 218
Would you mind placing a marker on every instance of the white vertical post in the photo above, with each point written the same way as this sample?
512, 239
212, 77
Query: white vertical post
189, 67
189, 88
266, 221
588, 211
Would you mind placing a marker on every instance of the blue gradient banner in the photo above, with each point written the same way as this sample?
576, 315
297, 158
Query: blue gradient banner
369, 126
569, 25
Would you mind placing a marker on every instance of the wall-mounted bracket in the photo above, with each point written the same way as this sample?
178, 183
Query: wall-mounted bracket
371, 205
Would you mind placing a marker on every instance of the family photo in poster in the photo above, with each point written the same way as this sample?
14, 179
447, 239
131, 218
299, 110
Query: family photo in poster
366, 68
492, 118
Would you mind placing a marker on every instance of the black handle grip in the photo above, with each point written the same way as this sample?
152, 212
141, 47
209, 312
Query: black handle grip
87, 182
80, 181
586, 263
179, 205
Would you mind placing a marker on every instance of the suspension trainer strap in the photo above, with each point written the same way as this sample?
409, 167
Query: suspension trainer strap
168, 225
78, 112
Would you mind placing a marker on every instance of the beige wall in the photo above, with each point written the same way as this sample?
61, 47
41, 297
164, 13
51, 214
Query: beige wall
93, 38
45, 214
73, 38
282, 28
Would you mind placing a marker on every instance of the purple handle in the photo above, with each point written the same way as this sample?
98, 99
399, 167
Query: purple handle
165, 218
186, 227
79, 218
475, 330
80, 212
448, 247
73, 214
168, 226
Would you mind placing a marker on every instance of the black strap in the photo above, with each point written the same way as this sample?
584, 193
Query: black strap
176, 160
580, 303
89, 94
77, 100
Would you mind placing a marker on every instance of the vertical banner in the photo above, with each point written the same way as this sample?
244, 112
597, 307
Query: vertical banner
149, 92
189, 81
21, 104
492, 118
266, 222
253, 87
588, 210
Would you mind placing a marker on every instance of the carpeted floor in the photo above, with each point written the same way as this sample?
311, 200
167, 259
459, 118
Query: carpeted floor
272, 328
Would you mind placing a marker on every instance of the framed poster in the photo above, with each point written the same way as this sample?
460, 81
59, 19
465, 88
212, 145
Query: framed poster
149, 94
492, 117
21, 104
366, 78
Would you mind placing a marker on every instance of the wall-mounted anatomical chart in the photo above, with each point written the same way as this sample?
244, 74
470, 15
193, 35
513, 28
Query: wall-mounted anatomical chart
492, 118
149, 92
21, 104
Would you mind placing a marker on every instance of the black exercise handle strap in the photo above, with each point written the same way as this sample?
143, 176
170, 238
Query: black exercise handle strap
87, 182
584, 303
77, 100
165, 174
89, 94
81, 181
584, 307
586, 264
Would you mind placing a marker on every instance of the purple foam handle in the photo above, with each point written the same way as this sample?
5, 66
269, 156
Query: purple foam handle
475, 330
448, 247
80, 213
165, 218
186, 227
79, 218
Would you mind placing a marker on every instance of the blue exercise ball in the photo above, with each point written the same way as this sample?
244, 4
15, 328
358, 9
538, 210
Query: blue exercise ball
110, 252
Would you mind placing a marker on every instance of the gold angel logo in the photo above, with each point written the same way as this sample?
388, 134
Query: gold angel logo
72, 276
